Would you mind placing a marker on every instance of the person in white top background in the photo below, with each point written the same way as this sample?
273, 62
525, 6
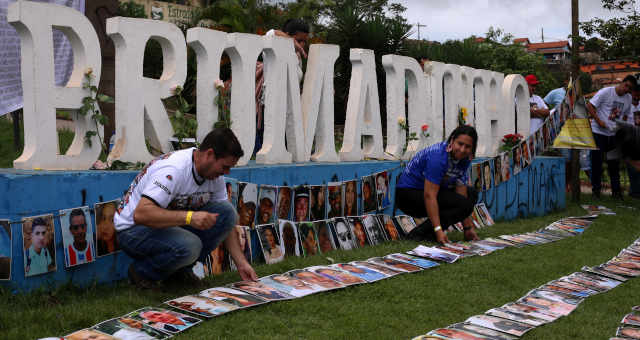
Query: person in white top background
538, 108
608, 105
176, 212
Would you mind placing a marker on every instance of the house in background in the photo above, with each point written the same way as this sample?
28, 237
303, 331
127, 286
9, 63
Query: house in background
608, 73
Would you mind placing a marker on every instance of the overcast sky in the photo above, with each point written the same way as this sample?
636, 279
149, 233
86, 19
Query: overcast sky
459, 19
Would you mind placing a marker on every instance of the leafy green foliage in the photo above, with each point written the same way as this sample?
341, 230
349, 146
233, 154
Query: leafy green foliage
131, 9
620, 36
89, 107
184, 126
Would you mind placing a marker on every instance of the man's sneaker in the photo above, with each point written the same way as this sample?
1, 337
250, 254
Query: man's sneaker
138, 280
184, 276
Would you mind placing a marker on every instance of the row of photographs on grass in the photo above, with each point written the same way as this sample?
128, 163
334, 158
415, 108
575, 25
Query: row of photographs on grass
179, 314
629, 326
264, 204
551, 301
287, 238
499, 169
82, 243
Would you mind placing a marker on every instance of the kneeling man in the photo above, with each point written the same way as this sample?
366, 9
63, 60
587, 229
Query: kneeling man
176, 212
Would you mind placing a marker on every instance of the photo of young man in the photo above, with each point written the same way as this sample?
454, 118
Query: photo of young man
38, 245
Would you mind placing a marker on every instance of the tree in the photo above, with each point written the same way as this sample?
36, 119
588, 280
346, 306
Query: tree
621, 35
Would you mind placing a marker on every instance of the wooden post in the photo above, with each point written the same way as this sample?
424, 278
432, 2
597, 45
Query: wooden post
574, 167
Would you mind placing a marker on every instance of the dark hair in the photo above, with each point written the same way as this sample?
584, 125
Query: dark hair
465, 130
223, 142
293, 26
76, 212
628, 140
38, 221
633, 80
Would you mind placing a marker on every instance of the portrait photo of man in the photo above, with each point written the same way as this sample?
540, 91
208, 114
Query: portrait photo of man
389, 227
5, 250
77, 236
289, 238
266, 204
231, 296
487, 175
247, 198
231, 185
106, 240
368, 194
284, 203
164, 320
357, 227
497, 170
301, 203
334, 190
270, 243
127, 328
38, 245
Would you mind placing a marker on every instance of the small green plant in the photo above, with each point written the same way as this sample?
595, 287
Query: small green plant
89, 107
462, 116
183, 125
223, 101
402, 122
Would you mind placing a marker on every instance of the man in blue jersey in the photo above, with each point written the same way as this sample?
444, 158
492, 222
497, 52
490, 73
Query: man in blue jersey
434, 185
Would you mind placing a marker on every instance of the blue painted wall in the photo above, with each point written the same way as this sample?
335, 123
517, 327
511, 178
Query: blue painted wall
537, 190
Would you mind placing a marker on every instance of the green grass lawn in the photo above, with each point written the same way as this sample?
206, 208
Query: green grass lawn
396, 308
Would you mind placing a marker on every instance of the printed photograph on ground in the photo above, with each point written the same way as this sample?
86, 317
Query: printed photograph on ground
234, 297
164, 320
125, 328
201, 306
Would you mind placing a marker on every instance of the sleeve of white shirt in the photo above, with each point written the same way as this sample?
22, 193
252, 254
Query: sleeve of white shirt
597, 99
219, 190
162, 186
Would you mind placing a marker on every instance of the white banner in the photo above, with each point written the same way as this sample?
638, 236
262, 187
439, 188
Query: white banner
10, 79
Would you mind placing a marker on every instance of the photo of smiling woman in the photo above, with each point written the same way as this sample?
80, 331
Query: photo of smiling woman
434, 185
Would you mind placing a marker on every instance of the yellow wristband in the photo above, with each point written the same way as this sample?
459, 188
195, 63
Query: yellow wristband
188, 219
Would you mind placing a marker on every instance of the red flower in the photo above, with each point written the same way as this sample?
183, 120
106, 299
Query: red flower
425, 127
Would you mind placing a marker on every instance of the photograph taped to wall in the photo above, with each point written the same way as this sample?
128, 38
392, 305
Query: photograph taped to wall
106, 240
497, 170
266, 204
301, 202
247, 204
368, 194
308, 238
201, 306
516, 157
231, 296
318, 202
506, 166
350, 198
39, 250
487, 175
285, 197
164, 320
77, 236
232, 190
270, 242
289, 238
382, 190
6, 247
125, 328
336, 199
476, 176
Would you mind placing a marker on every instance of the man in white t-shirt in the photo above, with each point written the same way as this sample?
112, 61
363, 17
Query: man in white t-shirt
538, 108
176, 212
608, 105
